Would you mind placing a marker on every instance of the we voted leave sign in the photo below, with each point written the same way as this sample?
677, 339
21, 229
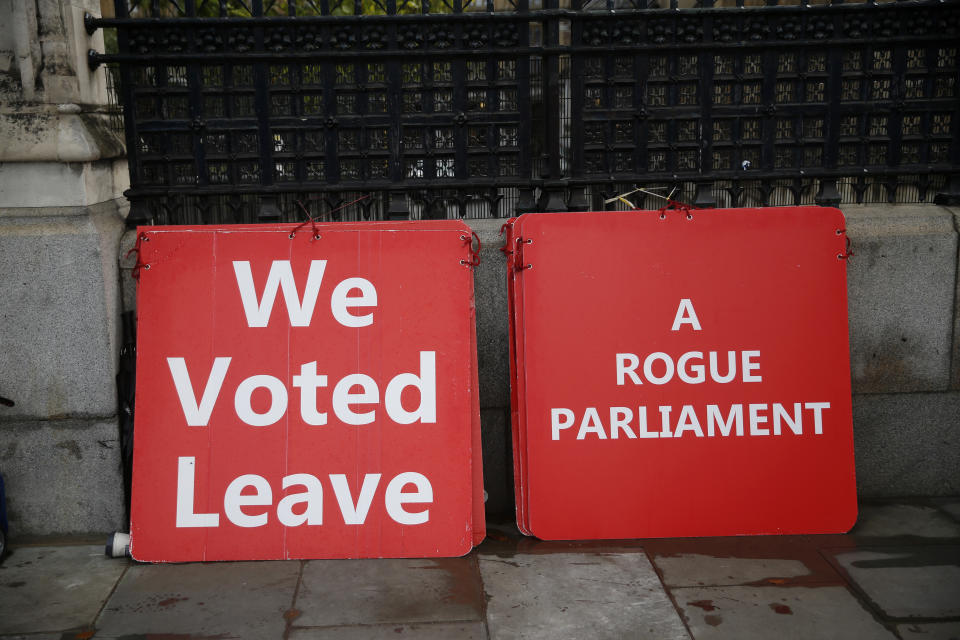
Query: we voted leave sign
681, 373
306, 392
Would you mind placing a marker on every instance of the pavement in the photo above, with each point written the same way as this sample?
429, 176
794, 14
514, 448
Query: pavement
896, 575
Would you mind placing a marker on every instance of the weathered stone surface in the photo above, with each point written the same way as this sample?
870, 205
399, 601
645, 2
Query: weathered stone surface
52, 589
785, 613
901, 286
906, 444
347, 592
58, 320
29, 185
895, 520
908, 582
490, 292
696, 570
62, 477
244, 600
566, 595
441, 631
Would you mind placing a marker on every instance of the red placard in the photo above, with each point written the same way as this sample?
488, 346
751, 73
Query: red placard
306, 397
682, 373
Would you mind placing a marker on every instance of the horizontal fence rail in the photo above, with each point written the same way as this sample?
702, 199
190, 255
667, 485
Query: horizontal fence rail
245, 111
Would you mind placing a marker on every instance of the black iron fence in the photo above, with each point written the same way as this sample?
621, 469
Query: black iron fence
236, 111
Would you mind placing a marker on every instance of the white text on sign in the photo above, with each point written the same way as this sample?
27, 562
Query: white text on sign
248, 500
706, 421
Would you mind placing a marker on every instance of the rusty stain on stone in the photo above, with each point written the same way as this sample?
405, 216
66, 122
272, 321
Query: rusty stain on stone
292, 614
706, 605
782, 609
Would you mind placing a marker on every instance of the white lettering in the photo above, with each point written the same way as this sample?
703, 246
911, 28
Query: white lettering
648, 367
244, 395
354, 514
626, 366
234, 500
591, 424
312, 497
186, 474
620, 418
308, 381
197, 415
555, 421
685, 315
714, 418
395, 498
299, 310
817, 407
342, 398
339, 302
426, 384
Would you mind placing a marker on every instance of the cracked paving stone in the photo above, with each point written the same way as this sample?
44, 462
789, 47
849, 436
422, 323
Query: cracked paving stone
784, 613
908, 582
577, 595
389, 591
236, 600
54, 588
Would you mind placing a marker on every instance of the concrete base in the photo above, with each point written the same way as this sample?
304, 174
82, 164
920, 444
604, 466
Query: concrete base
906, 444
59, 318
62, 477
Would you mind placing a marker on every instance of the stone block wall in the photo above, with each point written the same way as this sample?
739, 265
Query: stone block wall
61, 218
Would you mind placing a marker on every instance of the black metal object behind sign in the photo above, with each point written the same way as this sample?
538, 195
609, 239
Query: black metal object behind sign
234, 110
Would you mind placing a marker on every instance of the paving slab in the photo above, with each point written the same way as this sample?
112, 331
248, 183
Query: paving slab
54, 588
785, 613
745, 560
932, 631
404, 591
692, 569
231, 599
577, 595
908, 582
440, 631
897, 520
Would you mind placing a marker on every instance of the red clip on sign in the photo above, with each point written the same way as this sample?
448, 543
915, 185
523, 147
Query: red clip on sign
681, 374
306, 397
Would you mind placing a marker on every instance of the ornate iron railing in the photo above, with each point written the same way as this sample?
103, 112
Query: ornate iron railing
235, 111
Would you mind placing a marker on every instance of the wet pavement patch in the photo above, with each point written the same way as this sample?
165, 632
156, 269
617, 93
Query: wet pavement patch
203, 600
909, 581
785, 613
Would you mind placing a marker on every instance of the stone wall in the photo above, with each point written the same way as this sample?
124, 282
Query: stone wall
61, 219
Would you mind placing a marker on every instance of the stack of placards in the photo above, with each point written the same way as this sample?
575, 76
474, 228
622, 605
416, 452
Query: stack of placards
680, 373
306, 391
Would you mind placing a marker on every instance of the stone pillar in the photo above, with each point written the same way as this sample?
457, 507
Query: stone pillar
62, 174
